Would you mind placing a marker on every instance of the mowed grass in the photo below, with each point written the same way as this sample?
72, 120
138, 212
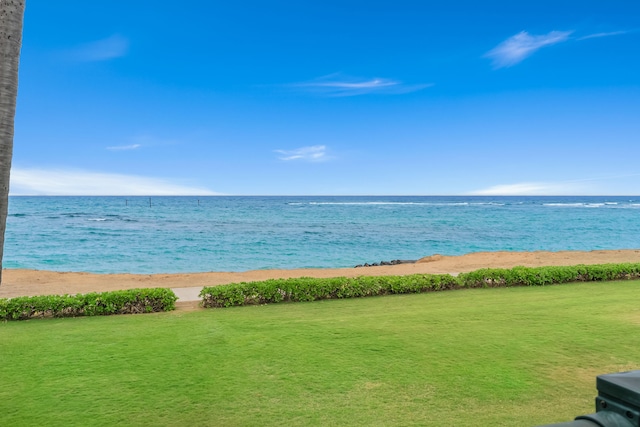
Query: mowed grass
484, 357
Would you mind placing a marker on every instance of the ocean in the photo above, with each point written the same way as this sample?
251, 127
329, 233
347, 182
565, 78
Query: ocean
193, 234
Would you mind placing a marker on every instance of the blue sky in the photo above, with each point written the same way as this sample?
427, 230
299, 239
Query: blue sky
329, 97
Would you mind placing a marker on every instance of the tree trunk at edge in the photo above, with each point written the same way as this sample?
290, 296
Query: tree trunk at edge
11, 16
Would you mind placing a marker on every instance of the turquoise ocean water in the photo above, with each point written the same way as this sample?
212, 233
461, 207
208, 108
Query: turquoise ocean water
190, 234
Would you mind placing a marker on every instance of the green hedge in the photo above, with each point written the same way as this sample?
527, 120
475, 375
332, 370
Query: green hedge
311, 289
93, 304
540, 276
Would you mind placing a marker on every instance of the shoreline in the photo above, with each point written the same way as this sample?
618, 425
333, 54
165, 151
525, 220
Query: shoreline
20, 282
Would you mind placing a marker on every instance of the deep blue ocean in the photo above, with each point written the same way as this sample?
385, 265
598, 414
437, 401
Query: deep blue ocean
192, 234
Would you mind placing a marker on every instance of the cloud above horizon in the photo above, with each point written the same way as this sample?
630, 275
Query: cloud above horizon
64, 182
336, 85
529, 189
517, 48
314, 153
114, 46
574, 187
124, 147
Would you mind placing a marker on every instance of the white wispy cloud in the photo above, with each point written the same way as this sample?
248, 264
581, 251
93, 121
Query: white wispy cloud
598, 185
112, 47
337, 85
314, 153
63, 182
598, 35
519, 47
143, 140
529, 189
124, 147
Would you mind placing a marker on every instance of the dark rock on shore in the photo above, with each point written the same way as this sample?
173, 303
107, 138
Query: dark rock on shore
392, 262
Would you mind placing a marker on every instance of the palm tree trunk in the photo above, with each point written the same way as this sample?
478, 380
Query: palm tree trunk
11, 16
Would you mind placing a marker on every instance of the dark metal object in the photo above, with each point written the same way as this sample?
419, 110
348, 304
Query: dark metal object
617, 404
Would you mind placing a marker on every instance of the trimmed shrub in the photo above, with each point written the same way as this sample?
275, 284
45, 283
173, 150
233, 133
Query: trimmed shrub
131, 301
540, 276
310, 289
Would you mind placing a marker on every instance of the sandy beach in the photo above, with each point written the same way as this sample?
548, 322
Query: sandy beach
39, 282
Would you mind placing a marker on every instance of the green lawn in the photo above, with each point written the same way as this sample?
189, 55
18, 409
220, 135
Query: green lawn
484, 357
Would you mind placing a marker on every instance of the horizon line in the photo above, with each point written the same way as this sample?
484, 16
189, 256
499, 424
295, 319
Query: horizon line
323, 195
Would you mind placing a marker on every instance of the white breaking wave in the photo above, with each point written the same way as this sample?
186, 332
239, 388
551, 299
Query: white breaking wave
588, 205
395, 204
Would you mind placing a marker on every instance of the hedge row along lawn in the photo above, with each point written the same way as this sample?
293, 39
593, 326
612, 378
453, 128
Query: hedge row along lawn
312, 289
303, 289
93, 304
521, 356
